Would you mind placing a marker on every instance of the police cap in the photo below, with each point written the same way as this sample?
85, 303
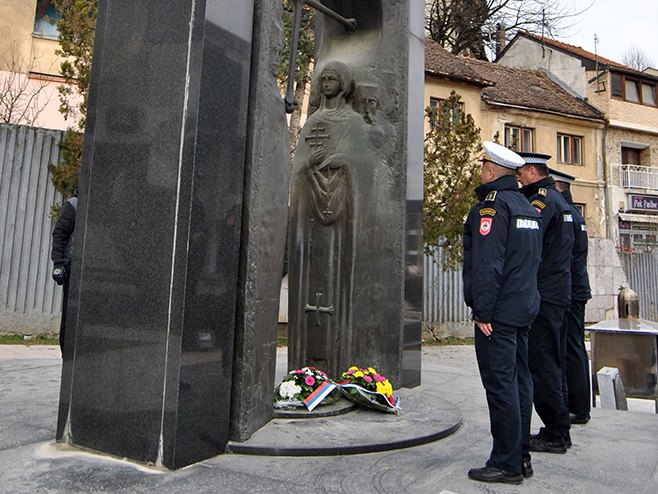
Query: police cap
501, 156
559, 176
535, 158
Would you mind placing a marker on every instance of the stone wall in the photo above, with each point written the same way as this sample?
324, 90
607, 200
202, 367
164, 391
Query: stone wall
606, 275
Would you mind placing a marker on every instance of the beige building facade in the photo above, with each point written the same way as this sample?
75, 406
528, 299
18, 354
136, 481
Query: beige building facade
29, 67
492, 96
628, 100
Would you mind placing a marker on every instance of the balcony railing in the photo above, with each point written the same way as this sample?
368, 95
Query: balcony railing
638, 177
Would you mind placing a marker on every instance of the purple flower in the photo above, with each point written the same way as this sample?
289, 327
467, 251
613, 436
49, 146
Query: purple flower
350, 371
309, 381
367, 379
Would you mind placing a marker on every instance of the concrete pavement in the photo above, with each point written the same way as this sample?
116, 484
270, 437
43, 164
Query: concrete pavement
617, 452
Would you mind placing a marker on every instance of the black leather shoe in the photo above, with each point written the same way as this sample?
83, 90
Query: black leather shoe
526, 468
568, 443
578, 419
493, 474
540, 444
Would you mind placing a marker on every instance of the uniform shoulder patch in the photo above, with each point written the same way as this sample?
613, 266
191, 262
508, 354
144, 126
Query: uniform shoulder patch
491, 196
542, 192
538, 203
487, 212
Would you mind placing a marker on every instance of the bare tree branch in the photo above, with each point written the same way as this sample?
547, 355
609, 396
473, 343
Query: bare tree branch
470, 26
635, 58
22, 97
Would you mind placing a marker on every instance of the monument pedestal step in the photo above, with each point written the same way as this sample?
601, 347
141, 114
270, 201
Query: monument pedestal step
423, 418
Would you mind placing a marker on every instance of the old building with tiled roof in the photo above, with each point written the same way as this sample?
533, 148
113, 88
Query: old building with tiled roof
527, 110
627, 99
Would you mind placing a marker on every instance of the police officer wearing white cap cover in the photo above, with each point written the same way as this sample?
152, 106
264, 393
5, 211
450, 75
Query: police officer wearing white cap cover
576, 372
546, 353
502, 252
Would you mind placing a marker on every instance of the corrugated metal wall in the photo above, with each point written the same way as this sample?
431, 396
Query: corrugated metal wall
26, 196
642, 273
443, 293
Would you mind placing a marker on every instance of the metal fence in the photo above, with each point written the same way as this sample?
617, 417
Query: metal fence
443, 293
642, 273
26, 197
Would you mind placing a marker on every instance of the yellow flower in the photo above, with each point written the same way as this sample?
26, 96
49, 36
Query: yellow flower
358, 374
385, 388
371, 370
354, 368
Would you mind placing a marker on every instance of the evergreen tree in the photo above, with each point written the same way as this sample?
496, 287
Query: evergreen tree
77, 27
451, 175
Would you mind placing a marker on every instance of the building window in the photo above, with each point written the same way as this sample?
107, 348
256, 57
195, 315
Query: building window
569, 149
518, 139
580, 208
649, 94
630, 156
633, 89
616, 83
45, 20
440, 109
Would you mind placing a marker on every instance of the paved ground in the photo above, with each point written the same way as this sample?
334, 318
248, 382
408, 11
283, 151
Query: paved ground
617, 452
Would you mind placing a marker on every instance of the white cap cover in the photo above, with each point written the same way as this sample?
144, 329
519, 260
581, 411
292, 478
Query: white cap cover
502, 156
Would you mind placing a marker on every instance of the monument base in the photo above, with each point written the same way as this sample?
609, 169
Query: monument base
424, 418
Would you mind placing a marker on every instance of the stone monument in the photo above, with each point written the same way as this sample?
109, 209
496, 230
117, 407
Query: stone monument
180, 234
355, 245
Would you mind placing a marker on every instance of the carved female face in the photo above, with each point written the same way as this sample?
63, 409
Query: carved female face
330, 84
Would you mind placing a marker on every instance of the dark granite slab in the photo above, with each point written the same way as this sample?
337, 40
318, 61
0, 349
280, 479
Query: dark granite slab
424, 418
153, 297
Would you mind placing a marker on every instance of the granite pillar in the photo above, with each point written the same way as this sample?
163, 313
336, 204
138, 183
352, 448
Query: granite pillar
355, 269
149, 363
265, 214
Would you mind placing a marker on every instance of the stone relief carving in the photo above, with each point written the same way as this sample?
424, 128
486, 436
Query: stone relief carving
338, 150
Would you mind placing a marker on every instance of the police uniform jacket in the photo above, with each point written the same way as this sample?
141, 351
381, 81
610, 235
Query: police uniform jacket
557, 228
580, 289
502, 252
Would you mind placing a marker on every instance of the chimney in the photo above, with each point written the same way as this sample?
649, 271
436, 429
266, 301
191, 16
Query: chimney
500, 38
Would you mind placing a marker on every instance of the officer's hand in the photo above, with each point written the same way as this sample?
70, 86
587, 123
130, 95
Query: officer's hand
59, 272
485, 327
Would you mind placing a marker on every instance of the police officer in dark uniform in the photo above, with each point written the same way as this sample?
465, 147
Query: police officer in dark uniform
502, 252
547, 340
577, 369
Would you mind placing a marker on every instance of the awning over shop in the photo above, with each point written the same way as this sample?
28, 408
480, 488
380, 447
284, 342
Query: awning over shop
639, 218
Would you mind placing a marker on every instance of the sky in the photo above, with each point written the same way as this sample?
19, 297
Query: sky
619, 25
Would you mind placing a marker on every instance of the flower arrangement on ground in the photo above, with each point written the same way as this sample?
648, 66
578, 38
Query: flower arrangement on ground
365, 386
307, 386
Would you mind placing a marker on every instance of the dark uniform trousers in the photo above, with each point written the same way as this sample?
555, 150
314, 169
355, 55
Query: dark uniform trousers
503, 364
547, 345
577, 368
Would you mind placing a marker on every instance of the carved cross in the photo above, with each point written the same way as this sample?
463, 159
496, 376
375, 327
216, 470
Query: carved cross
318, 309
315, 137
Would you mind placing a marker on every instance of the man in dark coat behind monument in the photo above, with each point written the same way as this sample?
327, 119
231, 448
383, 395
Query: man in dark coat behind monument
502, 251
547, 341
577, 372
61, 255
